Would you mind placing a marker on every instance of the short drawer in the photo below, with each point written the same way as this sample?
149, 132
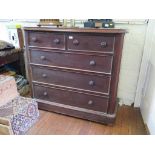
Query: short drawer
79, 61
47, 39
67, 97
90, 43
72, 79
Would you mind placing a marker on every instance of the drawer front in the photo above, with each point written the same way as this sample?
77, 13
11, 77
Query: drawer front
71, 98
71, 60
90, 43
71, 79
47, 39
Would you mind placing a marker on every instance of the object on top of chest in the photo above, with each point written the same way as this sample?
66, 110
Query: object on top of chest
99, 23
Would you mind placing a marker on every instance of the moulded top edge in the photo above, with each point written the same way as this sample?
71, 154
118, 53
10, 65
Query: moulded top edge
88, 30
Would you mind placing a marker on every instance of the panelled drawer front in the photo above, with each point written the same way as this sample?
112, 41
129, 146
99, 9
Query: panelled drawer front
47, 39
71, 79
70, 60
71, 98
91, 43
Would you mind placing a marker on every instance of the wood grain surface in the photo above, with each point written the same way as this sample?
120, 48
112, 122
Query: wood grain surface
128, 122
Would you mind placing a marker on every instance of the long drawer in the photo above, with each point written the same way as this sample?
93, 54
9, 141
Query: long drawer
72, 79
47, 39
90, 43
67, 97
79, 61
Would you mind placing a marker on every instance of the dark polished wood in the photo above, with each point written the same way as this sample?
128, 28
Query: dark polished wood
76, 30
115, 74
83, 42
66, 97
47, 39
75, 71
89, 62
128, 122
89, 82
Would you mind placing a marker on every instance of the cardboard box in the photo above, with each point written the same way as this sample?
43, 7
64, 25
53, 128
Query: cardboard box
8, 89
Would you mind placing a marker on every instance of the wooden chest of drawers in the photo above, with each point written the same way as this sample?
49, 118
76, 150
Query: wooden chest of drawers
75, 71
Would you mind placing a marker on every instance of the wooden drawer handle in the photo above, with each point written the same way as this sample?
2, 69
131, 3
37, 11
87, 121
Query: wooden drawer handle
92, 63
44, 75
91, 83
103, 44
42, 57
75, 42
45, 93
34, 39
56, 41
90, 102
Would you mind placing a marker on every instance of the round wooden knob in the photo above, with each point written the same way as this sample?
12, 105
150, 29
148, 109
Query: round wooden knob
90, 102
91, 83
92, 63
103, 44
45, 93
56, 41
34, 39
42, 57
44, 75
75, 42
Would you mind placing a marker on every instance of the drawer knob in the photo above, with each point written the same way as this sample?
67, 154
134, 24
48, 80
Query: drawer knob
92, 63
103, 44
42, 57
91, 83
90, 102
56, 41
45, 93
34, 39
44, 75
75, 42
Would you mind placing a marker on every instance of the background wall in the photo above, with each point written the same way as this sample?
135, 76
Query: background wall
131, 58
148, 97
3, 32
131, 61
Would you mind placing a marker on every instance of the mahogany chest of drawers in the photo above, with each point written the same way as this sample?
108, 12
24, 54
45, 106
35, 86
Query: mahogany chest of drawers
75, 71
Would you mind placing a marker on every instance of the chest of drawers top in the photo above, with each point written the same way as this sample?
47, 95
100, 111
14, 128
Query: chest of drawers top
78, 30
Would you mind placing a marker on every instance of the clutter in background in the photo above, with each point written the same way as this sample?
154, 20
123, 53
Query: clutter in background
17, 114
21, 116
7, 69
5, 53
5, 45
8, 89
22, 83
72, 23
